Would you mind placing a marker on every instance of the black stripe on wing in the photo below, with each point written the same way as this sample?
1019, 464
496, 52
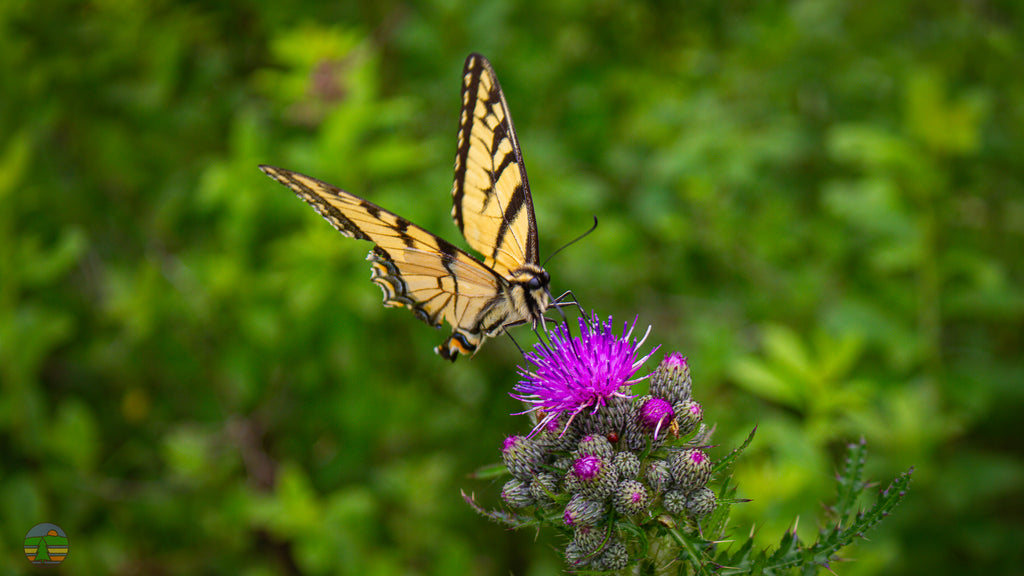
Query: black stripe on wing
491, 202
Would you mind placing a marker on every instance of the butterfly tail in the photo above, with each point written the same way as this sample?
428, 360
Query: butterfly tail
460, 342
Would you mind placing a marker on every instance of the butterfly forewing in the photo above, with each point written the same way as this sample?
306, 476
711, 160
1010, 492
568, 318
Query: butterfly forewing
491, 198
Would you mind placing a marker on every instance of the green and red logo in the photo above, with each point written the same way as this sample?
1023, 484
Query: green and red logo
46, 544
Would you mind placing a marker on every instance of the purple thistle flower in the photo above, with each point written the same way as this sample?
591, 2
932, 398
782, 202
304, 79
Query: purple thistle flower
576, 373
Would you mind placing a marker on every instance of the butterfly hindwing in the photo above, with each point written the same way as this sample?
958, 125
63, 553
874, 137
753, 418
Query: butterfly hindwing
492, 205
414, 268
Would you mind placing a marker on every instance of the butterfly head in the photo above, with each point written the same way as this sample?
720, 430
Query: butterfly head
530, 292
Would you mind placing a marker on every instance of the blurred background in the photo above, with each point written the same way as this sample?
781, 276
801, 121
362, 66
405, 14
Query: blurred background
818, 202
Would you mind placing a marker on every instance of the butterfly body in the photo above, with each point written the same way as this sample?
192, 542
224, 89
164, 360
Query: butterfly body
493, 208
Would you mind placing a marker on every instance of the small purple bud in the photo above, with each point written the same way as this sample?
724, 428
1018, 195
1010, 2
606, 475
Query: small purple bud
655, 414
516, 493
631, 498
691, 469
508, 444
688, 415
671, 379
674, 360
522, 456
583, 512
587, 467
595, 445
593, 477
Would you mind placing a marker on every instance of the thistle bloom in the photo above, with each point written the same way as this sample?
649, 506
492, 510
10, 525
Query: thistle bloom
576, 373
615, 469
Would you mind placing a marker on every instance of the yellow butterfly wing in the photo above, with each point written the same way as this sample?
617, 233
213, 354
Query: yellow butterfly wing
492, 205
420, 271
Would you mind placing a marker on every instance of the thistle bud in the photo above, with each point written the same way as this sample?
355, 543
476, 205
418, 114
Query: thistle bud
675, 502
631, 498
522, 457
594, 445
516, 493
583, 512
589, 539
575, 555
654, 415
634, 436
613, 557
563, 463
557, 434
701, 502
585, 546
627, 464
593, 476
671, 380
688, 415
610, 418
691, 469
543, 485
659, 476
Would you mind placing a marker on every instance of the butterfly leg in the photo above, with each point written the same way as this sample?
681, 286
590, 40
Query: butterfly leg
512, 338
560, 303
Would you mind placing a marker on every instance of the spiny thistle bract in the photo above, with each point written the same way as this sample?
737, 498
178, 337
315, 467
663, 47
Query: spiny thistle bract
625, 478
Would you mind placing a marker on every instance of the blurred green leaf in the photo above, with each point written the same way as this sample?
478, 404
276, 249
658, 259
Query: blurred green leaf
74, 436
943, 126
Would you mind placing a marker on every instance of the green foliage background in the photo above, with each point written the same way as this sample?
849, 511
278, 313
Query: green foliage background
819, 202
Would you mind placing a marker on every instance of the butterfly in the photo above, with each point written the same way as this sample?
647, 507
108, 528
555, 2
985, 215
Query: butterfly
493, 209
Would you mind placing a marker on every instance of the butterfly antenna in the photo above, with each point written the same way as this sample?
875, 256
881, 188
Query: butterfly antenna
571, 242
